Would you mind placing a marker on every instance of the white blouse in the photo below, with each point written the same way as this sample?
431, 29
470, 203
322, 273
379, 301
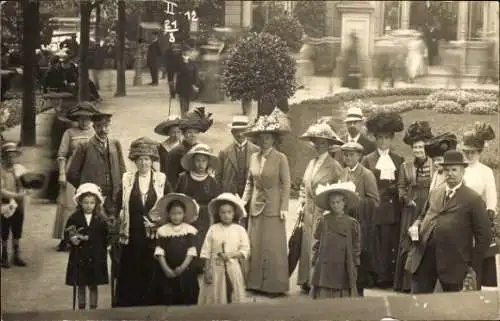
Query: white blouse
144, 183
234, 238
481, 179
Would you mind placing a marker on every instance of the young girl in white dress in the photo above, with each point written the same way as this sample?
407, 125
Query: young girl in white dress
226, 243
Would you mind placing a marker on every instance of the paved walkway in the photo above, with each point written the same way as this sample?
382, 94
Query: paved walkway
40, 286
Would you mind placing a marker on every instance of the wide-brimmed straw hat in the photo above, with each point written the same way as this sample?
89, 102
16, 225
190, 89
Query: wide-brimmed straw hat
323, 131
347, 189
160, 209
203, 149
83, 109
476, 138
239, 122
354, 114
88, 188
10, 147
352, 146
277, 123
163, 128
143, 147
453, 157
239, 206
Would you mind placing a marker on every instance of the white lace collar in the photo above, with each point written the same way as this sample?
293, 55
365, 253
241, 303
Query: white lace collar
171, 230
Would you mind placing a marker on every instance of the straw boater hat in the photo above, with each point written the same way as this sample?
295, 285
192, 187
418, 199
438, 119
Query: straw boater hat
354, 114
239, 206
203, 149
352, 146
10, 147
418, 131
239, 122
385, 122
453, 157
276, 123
438, 145
164, 127
476, 139
160, 209
83, 109
347, 189
143, 147
323, 131
88, 188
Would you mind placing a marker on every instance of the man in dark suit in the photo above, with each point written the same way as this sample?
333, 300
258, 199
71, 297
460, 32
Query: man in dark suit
443, 234
153, 60
235, 159
354, 122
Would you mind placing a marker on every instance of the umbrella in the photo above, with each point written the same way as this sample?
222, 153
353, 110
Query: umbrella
229, 284
295, 244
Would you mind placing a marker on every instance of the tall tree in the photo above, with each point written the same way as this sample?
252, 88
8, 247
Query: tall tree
31, 35
120, 51
83, 67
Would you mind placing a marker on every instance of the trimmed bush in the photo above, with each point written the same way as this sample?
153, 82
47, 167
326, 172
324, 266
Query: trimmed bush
482, 107
288, 28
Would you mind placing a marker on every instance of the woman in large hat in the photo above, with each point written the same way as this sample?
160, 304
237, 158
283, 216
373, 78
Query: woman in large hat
267, 191
72, 137
415, 176
197, 183
435, 149
171, 129
192, 124
385, 164
141, 189
323, 169
481, 179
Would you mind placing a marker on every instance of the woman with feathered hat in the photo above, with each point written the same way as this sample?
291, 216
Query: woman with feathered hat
415, 177
171, 129
481, 179
435, 149
323, 169
385, 164
267, 191
140, 191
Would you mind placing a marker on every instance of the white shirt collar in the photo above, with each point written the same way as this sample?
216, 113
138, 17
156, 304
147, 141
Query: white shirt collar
383, 152
354, 168
242, 145
454, 189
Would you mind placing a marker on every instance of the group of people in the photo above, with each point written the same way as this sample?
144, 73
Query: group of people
186, 226
401, 232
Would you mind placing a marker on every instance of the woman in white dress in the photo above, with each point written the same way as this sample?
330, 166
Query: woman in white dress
481, 179
415, 61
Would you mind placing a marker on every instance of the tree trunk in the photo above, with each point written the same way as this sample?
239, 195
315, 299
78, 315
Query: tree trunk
120, 52
98, 25
246, 106
83, 68
138, 60
31, 33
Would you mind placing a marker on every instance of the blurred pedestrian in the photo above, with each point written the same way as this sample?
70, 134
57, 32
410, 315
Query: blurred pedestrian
153, 59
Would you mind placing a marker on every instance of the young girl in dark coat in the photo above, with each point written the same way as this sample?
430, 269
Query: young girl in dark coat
87, 231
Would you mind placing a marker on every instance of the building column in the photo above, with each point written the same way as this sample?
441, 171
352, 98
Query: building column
405, 14
246, 14
486, 15
462, 21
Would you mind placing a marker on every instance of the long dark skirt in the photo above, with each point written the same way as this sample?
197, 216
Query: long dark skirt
181, 290
402, 278
488, 274
386, 242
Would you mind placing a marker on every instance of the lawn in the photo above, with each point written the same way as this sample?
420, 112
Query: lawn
302, 115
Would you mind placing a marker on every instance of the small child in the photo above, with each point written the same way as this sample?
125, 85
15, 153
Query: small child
197, 183
13, 196
225, 245
176, 249
87, 232
336, 252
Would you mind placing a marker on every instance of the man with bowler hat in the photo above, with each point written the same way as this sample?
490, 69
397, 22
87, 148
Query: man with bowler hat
235, 159
442, 247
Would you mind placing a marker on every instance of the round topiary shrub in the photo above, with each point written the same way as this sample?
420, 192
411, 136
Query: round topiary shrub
259, 65
287, 28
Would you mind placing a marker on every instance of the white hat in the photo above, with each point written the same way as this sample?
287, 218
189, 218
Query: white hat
354, 114
88, 188
187, 160
239, 122
213, 206
348, 189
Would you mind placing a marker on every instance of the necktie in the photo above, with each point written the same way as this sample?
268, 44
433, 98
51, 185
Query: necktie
448, 196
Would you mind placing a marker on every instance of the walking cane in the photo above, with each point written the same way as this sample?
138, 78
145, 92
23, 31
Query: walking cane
169, 104
75, 279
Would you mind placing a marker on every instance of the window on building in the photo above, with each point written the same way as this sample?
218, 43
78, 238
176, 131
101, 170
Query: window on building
392, 15
475, 20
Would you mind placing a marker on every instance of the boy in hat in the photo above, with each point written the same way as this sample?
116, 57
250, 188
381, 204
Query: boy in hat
11, 192
99, 161
367, 190
443, 234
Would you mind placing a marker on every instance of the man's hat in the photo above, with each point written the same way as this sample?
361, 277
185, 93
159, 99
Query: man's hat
453, 157
81, 110
239, 122
354, 114
10, 147
352, 146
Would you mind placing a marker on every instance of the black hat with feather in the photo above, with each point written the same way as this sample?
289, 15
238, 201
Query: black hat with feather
438, 145
417, 132
385, 122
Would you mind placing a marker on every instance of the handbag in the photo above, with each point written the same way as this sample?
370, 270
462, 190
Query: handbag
295, 243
